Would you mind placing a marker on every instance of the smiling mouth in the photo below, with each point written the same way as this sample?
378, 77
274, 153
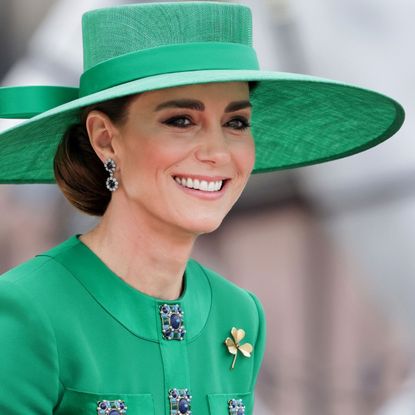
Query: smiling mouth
203, 185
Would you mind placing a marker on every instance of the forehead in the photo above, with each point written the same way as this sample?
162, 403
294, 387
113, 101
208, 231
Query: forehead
218, 91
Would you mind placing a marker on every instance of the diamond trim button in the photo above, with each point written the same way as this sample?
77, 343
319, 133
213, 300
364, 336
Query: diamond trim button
172, 325
117, 407
236, 407
180, 401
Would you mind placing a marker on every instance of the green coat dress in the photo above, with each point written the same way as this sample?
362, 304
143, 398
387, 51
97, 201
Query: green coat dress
77, 339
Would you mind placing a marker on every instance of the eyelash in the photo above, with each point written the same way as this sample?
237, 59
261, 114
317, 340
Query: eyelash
172, 122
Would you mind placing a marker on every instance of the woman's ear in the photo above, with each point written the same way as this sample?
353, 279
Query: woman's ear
101, 132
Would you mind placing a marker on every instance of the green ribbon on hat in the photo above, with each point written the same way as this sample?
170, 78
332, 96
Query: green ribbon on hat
26, 102
196, 56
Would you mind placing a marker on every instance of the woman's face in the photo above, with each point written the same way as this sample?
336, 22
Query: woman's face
184, 154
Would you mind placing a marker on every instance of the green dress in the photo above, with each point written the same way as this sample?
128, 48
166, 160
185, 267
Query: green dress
77, 339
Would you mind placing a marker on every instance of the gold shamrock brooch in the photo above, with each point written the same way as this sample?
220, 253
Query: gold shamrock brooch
234, 345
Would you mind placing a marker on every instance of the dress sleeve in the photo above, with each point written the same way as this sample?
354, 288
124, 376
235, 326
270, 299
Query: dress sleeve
259, 347
29, 376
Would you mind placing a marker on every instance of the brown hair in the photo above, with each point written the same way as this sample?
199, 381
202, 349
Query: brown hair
79, 172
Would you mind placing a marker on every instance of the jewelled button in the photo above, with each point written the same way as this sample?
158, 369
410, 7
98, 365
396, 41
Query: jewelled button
117, 407
180, 402
236, 407
172, 322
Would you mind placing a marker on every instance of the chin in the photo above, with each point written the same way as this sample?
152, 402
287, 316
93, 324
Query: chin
202, 226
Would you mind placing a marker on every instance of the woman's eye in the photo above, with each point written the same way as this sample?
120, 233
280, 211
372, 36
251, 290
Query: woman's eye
239, 123
180, 122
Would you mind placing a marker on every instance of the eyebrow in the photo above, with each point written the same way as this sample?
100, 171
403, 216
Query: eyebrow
194, 104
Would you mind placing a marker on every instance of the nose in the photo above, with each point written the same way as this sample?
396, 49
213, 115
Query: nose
213, 147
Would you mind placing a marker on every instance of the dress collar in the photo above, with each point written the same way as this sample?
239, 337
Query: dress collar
136, 311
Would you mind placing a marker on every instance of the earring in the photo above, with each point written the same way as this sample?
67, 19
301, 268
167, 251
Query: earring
112, 182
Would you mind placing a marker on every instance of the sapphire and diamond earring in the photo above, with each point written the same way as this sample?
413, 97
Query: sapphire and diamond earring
112, 182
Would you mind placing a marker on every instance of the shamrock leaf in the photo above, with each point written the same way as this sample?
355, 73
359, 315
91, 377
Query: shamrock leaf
234, 345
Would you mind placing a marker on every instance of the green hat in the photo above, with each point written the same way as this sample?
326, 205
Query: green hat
297, 119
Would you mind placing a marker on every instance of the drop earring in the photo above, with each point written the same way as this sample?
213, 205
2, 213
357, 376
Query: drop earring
112, 182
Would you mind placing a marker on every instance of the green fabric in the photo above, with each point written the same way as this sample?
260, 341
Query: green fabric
28, 101
297, 119
181, 58
77, 334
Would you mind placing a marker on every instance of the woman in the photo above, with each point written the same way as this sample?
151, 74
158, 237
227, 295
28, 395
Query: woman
157, 142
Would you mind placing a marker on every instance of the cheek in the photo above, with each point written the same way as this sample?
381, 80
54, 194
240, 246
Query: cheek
163, 156
244, 156
150, 157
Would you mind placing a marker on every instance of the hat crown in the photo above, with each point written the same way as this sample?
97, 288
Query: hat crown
115, 31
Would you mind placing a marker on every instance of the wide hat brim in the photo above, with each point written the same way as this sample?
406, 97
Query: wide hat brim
297, 120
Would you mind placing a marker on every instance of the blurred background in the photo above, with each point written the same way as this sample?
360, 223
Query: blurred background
327, 248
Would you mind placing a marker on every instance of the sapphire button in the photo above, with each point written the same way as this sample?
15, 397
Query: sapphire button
180, 402
175, 321
117, 407
183, 406
236, 407
172, 321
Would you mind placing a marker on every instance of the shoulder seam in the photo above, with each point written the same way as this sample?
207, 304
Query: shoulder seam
258, 308
30, 272
251, 296
210, 273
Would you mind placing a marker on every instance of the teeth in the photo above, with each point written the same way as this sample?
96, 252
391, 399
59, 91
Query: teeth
199, 184
204, 185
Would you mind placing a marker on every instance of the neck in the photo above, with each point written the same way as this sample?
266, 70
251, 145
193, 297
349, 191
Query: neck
148, 255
